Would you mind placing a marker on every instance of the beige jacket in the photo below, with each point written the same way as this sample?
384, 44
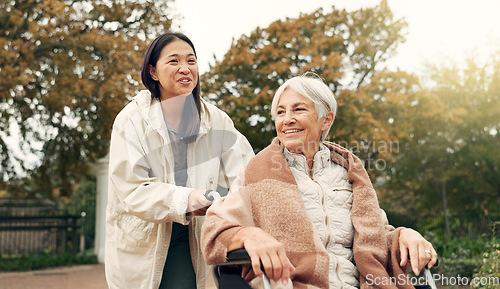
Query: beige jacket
266, 195
142, 198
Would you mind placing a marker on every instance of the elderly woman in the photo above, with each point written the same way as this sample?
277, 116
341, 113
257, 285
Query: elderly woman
306, 209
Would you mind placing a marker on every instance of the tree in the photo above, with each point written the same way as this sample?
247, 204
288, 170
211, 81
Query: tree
473, 94
344, 48
413, 185
66, 69
451, 158
418, 143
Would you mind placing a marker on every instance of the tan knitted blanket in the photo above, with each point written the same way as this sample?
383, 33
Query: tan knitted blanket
266, 195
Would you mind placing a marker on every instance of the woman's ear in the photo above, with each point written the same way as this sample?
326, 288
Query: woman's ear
152, 72
327, 120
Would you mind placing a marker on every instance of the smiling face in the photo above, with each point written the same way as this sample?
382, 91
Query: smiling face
297, 124
176, 69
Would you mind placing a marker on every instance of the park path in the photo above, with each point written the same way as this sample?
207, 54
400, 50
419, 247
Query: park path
72, 277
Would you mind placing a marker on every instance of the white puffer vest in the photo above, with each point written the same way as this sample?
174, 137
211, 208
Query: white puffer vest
327, 197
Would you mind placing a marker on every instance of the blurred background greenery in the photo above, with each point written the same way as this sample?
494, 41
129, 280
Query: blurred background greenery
430, 142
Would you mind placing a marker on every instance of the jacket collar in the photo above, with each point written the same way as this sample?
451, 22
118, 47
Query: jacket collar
151, 112
321, 159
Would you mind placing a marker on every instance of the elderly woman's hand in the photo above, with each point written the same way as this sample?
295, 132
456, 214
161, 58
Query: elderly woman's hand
266, 250
418, 249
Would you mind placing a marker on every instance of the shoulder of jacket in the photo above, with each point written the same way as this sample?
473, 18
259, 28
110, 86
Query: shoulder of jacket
141, 101
214, 114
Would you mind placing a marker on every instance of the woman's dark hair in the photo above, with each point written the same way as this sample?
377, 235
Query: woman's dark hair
151, 58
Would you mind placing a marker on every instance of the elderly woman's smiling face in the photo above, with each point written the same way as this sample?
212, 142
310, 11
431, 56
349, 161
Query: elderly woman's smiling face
297, 124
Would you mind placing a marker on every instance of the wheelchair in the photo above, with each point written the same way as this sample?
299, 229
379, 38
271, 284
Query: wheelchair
228, 274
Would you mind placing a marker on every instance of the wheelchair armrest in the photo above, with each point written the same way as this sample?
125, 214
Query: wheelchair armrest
237, 257
229, 272
234, 259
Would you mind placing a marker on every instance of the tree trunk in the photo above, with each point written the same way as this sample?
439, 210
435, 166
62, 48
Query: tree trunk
445, 210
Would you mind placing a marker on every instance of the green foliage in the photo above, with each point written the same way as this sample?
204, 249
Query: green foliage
66, 69
42, 261
460, 248
459, 256
490, 265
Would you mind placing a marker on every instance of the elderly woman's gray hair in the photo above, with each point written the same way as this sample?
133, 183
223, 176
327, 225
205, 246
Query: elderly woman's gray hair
313, 88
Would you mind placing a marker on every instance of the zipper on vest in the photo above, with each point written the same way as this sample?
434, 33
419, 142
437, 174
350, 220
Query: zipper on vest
337, 270
323, 204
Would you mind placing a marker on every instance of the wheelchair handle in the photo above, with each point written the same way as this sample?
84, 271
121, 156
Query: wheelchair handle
238, 257
212, 195
241, 257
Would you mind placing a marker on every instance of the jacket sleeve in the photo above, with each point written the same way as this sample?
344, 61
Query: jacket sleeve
389, 229
393, 264
132, 180
237, 153
223, 220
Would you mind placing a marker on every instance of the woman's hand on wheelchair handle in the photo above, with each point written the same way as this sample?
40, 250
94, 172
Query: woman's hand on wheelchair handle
198, 204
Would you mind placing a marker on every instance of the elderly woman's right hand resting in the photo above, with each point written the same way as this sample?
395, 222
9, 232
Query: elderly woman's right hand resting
263, 249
